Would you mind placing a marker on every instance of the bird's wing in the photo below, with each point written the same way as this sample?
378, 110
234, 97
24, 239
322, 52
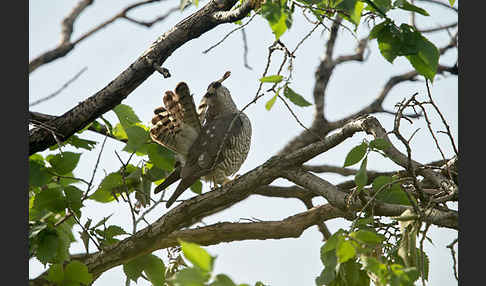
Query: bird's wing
189, 113
207, 151
176, 126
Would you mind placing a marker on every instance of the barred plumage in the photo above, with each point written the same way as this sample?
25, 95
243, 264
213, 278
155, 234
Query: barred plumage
212, 151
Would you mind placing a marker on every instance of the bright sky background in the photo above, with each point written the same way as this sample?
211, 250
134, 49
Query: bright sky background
352, 86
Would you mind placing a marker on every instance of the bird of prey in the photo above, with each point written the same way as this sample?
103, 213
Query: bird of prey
211, 144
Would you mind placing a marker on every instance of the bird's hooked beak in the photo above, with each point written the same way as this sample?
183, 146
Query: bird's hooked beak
213, 86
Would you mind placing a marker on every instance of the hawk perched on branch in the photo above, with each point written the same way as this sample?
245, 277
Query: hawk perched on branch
211, 144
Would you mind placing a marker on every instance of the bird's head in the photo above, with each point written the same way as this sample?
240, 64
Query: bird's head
219, 97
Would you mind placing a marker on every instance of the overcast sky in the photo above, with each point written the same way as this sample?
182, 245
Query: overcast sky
353, 86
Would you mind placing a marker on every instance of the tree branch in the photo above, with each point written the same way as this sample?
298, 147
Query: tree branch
340, 200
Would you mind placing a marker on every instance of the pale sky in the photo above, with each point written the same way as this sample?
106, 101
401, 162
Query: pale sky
352, 86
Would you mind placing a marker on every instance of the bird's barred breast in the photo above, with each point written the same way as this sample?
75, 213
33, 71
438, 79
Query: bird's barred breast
240, 146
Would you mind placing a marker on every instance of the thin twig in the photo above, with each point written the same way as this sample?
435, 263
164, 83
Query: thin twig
422, 254
297, 119
410, 168
227, 35
95, 168
59, 90
453, 254
441, 117
245, 50
79, 223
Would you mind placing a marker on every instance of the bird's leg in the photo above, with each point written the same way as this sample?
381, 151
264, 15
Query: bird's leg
228, 180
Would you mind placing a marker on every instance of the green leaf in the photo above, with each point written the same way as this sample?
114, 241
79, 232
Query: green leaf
295, 97
329, 259
77, 272
352, 10
50, 199
427, 59
356, 154
154, 173
271, 11
119, 132
278, 15
126, 115
361, 178
345, 250
356, 13
65, 181
137, 138
452, 2
134, 268
383, 5
389, 42
155, 270
222, 280
332, 242
372, 265
197, 187
55, 273
425, 263
403, 4
108, 125
114, 230
37, 158
394, 195
412, 274
38, 175
63, 163
380, 181
272, 78
351, 274
64, 232
409, 40
81, 143
36, 229
280, 26
191, 277
47, 247
376, 31
102, 221
328, 274
197, 255
368, 236
73, 198
380, 143
271, 102
161, 157
110, 184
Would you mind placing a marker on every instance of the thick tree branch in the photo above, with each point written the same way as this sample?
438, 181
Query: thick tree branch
37, 117
68, 22
340, 200
290, 227
118, 89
